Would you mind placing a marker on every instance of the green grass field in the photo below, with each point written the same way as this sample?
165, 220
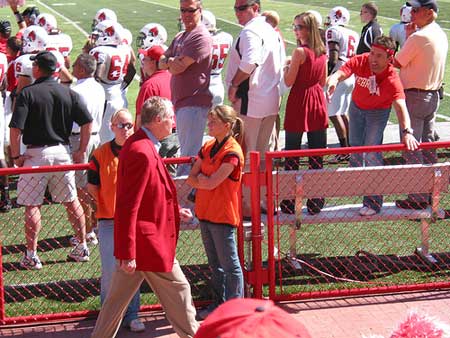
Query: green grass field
75, 17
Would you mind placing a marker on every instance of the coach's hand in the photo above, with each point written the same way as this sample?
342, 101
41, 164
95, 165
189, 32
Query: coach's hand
128, 265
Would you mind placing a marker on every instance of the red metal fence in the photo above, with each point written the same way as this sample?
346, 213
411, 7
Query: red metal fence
287, 253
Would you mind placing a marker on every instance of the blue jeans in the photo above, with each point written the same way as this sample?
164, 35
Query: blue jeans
191, 122
220, 246
106, 247
366, 128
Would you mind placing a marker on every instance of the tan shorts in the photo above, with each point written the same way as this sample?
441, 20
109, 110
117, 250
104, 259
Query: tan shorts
31, 187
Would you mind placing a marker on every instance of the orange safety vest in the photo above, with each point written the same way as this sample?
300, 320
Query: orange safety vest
108, 163
221, 204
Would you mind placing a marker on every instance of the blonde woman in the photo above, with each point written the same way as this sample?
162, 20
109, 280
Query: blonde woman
217, 176
306, 109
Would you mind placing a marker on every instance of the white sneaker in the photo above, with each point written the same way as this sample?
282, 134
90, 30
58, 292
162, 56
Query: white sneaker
136, 325
31, 263
91, 238
80, 253
366, 211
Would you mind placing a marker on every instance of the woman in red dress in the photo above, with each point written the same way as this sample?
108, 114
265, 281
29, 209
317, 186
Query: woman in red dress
306, 106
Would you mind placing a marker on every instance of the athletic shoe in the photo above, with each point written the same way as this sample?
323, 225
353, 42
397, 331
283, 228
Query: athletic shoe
31, 263
136, 325
339, 158
5, 205
91, 238
366, 211
74, 241
79, 253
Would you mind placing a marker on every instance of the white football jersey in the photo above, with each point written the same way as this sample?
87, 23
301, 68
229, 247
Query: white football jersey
347, 41
398, 33
60, 42
222, 43
23, 66
115, 60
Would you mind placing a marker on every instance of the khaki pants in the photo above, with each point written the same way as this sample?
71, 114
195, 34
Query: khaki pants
171, 288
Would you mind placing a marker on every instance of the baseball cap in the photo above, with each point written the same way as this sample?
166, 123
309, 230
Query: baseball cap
245, 318
45, 60
432, 4
153, 52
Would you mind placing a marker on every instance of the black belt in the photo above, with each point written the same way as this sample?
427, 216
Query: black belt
94, 133
421, 90
34, 146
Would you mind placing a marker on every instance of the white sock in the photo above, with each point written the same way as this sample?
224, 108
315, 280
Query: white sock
31, 253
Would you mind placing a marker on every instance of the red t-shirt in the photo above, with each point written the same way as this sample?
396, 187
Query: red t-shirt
389, 87
156, 85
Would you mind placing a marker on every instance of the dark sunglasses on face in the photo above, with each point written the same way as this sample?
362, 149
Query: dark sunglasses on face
189, 10
242, 7
127, 125
297, 27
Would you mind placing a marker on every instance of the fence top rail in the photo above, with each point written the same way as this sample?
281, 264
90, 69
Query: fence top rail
360, 181
353, 150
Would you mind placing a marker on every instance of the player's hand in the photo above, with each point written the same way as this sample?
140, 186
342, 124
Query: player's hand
128, 265
78, 156
232, 90
186, 215
410, 142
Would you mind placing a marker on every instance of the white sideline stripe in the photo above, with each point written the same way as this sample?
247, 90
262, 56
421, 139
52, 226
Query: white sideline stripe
73, 23
221, 19
66, 4
446, 118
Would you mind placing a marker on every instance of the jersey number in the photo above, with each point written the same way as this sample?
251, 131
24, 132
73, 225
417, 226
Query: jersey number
115, 68
351, 46
219, 54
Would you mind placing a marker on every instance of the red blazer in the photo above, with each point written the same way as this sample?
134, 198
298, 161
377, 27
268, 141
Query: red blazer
147, 219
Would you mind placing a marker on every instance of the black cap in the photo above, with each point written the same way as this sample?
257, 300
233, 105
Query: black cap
5, 27
45, 60
431, 4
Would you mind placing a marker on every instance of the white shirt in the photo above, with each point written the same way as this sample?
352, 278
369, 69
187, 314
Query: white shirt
398, 33
347, 41
93, 96
263, 57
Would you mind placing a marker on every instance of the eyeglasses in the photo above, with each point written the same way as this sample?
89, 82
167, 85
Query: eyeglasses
189, 10
126, 126
242, 7
298, 27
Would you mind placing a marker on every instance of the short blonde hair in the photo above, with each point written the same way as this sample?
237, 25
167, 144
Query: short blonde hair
272, 18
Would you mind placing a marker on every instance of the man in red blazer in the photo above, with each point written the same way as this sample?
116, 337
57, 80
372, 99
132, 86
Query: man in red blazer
146, 226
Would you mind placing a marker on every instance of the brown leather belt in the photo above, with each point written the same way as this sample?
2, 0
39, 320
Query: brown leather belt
421, 90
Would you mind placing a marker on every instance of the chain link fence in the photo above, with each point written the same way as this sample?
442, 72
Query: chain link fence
323, 242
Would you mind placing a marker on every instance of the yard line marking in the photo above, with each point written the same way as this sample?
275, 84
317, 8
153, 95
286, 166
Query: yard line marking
446, 118
73, 23
221, 19
65, 4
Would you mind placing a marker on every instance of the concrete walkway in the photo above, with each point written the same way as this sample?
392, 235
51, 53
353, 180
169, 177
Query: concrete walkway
353, 317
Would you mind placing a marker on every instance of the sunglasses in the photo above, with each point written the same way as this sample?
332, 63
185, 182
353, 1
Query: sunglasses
126, 126
242, 7
298, 27
189, 10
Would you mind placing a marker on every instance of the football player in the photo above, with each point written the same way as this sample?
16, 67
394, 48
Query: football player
56, 39
398, 31
222, 43
112, 65
341, 44
101, 15
5, 203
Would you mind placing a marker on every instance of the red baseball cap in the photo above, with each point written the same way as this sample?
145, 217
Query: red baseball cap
153, 52
251, 318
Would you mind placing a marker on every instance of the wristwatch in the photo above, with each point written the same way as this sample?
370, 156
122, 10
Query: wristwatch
407, 131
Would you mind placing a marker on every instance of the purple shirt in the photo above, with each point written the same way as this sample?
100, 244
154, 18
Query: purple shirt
191, 87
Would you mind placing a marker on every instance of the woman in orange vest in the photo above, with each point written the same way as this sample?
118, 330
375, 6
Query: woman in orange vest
216, 175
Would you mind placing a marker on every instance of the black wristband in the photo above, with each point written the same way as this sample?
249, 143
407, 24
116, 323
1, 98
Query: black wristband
19, 17
15, 157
